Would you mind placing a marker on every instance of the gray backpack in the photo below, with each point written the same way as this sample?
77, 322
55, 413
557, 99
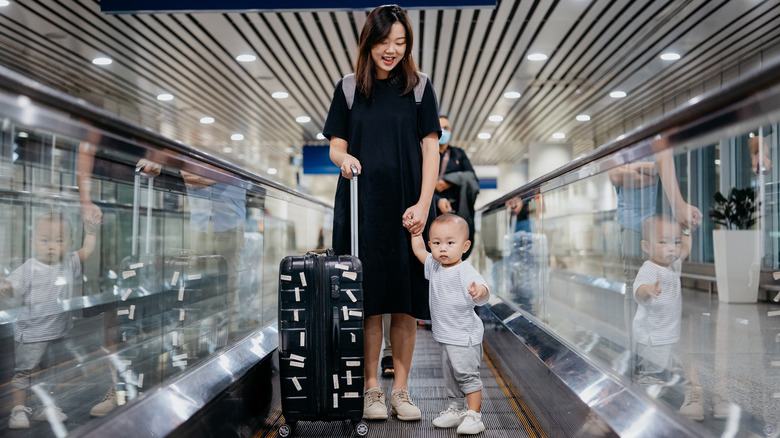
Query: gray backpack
348, 86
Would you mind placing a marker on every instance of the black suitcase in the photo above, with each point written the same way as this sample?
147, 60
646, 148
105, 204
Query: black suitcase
321, 336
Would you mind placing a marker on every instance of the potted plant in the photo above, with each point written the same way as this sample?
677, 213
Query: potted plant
736, 247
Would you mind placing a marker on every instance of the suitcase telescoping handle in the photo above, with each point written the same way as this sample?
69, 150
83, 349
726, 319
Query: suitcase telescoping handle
137, 212
353, 201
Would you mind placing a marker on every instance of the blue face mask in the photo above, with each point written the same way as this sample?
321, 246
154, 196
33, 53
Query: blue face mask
445, 136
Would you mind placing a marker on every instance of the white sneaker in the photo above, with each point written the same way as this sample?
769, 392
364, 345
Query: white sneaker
43, 413
374, 407
450, 418
19, 418
106, 405
472, 423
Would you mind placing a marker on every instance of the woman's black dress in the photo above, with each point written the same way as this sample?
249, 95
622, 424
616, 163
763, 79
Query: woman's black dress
384, 133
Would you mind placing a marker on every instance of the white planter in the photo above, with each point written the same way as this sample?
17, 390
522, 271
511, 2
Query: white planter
737, 264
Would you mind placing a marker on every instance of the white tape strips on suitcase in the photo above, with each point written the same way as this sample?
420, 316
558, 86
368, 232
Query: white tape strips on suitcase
347, 313
296, 383
335, 381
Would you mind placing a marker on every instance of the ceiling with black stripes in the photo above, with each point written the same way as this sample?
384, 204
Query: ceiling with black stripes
509, 77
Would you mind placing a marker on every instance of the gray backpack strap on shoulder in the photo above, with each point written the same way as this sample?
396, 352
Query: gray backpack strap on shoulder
419, 89
348, 87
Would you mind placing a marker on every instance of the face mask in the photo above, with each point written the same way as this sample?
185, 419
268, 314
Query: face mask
445, 136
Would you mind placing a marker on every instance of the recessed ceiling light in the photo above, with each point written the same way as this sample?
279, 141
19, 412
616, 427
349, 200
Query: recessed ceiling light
280, 95
289, 150
4, 3
472, 149
583, 118
165, 96
617, 94
320, 136
246, 58
559, 135
496, 118
751, 135
22, 134
537, 57
483, 135
670, 56
227, 150
303, 119
512, 95
237, 137
207, 120
272, 171
102, 60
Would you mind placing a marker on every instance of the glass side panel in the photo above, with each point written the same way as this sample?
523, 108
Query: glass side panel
123, 266
628, 261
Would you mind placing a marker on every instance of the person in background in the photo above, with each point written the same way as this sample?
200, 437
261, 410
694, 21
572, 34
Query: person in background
457, 187
41, 285
455, 288
392, 141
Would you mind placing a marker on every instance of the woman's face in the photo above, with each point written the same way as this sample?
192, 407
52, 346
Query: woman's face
387, 54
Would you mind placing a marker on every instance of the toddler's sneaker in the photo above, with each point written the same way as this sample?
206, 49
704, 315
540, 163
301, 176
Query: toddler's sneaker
402, 406
449, 418
19, 418
374, 407
106, 405
56, 413
472, 423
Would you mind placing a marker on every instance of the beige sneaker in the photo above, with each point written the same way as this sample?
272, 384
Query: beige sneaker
374, 407
693, 407
402, 406
720, 407
106, 405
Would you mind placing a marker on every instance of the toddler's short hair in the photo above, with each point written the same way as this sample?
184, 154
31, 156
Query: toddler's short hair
651, 222
449, 218
55, 217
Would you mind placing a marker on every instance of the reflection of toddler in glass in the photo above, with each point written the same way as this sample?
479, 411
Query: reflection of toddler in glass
657, 289
41, 285
455, 287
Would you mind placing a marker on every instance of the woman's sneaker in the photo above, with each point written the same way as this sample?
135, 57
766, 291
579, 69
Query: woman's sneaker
374, 407
472, 423
449, 418
19, 418
402, 406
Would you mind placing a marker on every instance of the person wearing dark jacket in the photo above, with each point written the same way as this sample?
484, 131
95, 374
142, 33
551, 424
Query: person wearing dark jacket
457, 186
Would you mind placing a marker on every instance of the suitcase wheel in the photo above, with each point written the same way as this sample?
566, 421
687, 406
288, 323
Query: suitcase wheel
287, 429
361, 428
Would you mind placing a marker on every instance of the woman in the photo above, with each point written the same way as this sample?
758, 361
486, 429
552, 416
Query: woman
393, 142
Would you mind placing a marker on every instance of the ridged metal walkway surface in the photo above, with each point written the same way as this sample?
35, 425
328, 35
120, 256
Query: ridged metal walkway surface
505, 415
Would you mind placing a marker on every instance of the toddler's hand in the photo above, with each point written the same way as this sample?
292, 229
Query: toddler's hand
6, 289
91, 225
475, 291
655, 290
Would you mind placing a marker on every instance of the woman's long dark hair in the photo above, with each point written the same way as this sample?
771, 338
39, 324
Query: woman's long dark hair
377, 28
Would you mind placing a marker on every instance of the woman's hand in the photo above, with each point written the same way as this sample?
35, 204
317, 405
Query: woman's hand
415, 218
346, 166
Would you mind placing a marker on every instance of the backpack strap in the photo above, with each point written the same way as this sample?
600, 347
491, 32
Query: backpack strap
348, 87
419, 89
